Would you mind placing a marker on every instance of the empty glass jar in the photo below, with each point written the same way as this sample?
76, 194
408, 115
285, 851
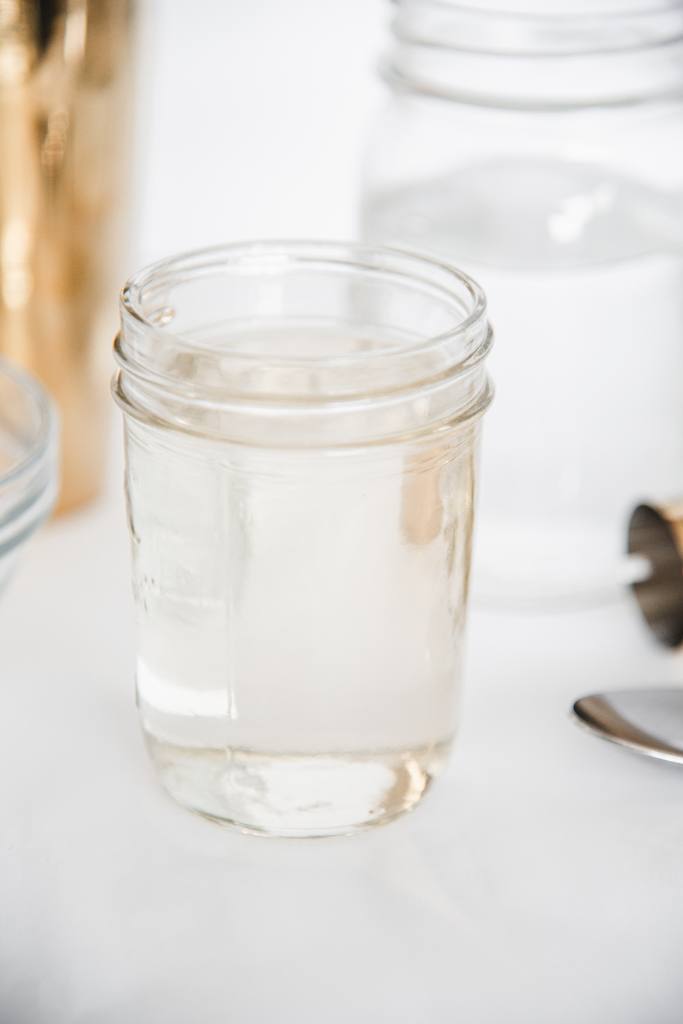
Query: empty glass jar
539, 146
301, 429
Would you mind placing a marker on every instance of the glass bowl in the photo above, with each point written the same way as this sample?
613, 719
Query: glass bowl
28, 461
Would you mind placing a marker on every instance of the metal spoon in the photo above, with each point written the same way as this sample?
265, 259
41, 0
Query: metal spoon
647, 721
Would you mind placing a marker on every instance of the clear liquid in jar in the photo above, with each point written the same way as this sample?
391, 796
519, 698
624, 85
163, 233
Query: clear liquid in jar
300, 621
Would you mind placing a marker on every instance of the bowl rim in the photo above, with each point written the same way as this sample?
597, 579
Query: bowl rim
46, 433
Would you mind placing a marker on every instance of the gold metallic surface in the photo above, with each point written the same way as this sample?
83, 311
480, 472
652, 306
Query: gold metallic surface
64, 110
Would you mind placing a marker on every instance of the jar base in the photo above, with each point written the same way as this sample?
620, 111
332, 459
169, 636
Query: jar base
295, 795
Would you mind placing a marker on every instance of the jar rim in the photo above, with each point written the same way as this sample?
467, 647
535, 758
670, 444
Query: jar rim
413, 332
540, 9
620, 53
275, 253
631, 26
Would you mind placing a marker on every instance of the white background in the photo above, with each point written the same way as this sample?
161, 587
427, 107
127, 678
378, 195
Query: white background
254, 115
540, 883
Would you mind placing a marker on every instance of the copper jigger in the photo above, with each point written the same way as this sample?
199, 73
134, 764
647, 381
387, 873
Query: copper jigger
655, 533
64, 109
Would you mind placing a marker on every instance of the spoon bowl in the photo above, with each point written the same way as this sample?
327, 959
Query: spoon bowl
649, 722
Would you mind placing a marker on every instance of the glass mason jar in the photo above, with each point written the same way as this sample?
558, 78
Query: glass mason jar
542, 152
301, 425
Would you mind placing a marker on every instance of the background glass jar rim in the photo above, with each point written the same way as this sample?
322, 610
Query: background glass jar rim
547, 55
439, 358
524, 28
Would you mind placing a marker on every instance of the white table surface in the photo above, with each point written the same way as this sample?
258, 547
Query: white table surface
541, 882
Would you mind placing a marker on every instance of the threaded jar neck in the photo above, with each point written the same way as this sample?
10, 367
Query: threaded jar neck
538, 53
303, 344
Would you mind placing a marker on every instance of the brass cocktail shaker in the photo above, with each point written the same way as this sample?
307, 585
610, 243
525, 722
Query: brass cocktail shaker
64, 109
